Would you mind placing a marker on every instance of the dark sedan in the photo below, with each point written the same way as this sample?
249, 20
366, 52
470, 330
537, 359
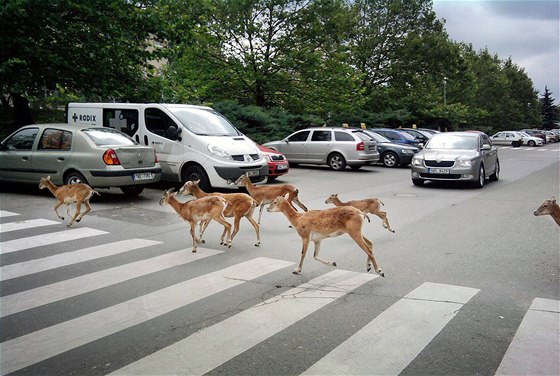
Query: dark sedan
392, 154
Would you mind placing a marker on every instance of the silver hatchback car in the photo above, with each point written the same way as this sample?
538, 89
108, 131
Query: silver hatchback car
98, 156
457, 156
335, 147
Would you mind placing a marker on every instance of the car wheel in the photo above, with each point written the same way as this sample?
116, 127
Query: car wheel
270, 179
195, 172
132, 190
336, 162
74, 177
390, 159
481, 178
531, 143
496, 175
418, 182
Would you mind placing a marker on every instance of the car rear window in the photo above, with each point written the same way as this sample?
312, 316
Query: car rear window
362, 135
108, 136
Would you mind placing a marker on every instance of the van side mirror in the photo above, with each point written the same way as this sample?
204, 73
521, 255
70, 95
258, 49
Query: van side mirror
486, 147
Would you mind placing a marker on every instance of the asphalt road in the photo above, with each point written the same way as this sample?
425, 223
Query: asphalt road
462, 272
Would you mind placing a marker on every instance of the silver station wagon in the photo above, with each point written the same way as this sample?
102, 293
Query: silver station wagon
100, 157
335, 147
457, 156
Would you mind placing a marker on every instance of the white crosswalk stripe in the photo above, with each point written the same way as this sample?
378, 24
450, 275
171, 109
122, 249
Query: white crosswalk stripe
213, 346
535, 349
23, 225
53, 238
5, 214
386, 343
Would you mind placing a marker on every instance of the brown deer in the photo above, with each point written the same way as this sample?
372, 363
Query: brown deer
316, 225
198, 210
67, 194
549, 207
264, 195
239, 205
368, 205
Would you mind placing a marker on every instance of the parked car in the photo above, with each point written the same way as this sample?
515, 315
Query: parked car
420, 135
392, 154
429, 130
457, 156
335, 147
535, 133
531, 140
396, 136
277, 163
551, 136
98, 156
507, 138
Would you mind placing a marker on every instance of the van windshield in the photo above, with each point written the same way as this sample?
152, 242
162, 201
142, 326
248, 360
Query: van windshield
204, 122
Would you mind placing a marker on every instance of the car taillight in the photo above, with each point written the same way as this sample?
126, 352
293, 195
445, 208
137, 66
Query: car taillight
110, 158
156, 158
360, 146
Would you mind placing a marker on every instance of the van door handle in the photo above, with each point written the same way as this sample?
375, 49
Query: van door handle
60, 159
146, 140
25, 158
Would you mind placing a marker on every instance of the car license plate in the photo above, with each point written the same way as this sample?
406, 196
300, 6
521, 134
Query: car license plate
143, 176
282, 167
252, 173
438, 170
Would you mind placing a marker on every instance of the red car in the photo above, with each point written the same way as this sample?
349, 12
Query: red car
277, 163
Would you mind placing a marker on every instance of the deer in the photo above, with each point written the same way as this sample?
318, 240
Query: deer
549, 207
200, 209
316, 225
67, 194
239, 205
368, 205
264, 195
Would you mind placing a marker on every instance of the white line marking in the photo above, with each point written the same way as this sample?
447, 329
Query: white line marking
52, 238
213, 346
69, 258
39, 296
393, 339
4, 214
535, 348
23, 225
34, 347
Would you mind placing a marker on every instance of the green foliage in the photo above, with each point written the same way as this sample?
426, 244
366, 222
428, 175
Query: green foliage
549, 112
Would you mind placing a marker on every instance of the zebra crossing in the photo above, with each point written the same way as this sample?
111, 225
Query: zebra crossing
389, 342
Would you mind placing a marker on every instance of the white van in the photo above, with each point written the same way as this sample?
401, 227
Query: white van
192, 142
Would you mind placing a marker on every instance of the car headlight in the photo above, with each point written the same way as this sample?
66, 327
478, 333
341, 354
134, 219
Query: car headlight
417, 161
407, 151
465, 162
219, 152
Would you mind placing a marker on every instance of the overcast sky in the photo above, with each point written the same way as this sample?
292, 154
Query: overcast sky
526, 30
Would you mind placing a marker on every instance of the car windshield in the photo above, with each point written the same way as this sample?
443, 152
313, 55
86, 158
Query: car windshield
204, 122
377, 137
450, 141
108, 136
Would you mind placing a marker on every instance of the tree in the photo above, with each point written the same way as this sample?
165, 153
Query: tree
549, 111
94, 47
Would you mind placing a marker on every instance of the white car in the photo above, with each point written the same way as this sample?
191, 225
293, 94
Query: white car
531, 140
507, 138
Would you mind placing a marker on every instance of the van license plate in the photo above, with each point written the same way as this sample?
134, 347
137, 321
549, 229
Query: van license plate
252, 173
143, 176
438, 170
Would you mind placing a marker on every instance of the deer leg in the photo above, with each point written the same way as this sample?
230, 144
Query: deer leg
88, 209
203, 225
360, 240
256, 227
236, 220
227, 229
316, 254
383, 216
298, 202
260, 213
78, 208
305, 245
56, 210
195, 240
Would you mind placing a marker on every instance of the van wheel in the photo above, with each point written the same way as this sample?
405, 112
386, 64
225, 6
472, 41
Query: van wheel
195, 172
132, 190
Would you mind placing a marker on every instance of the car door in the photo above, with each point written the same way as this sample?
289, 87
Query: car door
499, 138
319, 146
295, 148
16, 156
52, 154
490, 156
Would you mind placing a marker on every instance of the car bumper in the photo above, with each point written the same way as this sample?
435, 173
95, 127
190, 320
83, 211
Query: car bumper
455, 173
278, 169
226, 175
121, 177
362, 159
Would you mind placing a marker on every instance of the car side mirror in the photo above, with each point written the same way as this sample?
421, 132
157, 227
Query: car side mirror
486, 147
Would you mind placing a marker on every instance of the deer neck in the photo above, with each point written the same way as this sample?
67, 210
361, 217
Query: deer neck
290, 213
51, 187
197, 192
555, 213
337, 202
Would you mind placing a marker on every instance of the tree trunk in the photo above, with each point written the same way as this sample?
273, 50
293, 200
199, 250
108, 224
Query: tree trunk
22, 112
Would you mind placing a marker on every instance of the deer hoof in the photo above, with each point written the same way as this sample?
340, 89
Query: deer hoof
257, 244
334, 263
194, 251
297, 271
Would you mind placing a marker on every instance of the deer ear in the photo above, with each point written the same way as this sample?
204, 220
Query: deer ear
553, 199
